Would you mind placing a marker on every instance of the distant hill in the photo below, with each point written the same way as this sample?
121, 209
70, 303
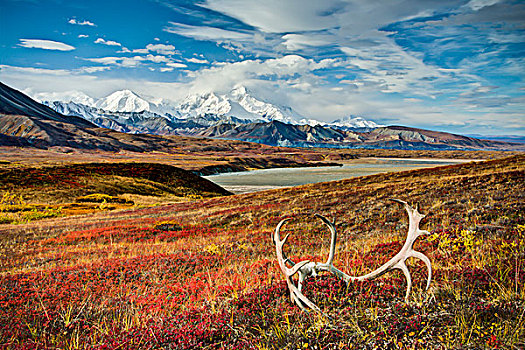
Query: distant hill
503, 138
390, 137
64, 183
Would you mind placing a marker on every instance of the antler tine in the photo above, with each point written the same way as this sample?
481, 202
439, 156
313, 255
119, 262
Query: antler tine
288, 272
414, 232
414, 216
407, 251
333, 239
426, 260
295, 294
328, 266
403, 267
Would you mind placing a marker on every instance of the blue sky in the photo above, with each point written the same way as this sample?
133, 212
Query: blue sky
455, 66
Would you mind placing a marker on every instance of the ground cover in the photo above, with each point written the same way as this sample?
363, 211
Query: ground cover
194, 154
203, 274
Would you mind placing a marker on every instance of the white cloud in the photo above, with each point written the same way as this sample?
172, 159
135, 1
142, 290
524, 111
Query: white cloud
176, 65
278, 16
197, 60
81, 23
294, 42
54, 72
157, 58
162, 49
479, 4
64, 96
93, 69
45, 44
205, 33
135, 61
83, 36
105, 60
118, 61
32, 70
108, 42
166, 69
288, 70
391, 69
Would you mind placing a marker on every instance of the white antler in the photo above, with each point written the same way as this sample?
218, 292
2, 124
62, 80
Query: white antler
307, 268
407, 251
295, 294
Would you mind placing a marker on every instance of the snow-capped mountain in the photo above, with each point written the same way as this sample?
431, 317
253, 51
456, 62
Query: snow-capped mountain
237, 114
267, 111
354, 122
66, 97
93, 113
128, 101
75, 109
208, 103
123, 101
346, 123
239, 103
210, 106
237, 106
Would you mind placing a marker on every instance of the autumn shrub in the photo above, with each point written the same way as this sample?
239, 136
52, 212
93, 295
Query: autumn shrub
102, 198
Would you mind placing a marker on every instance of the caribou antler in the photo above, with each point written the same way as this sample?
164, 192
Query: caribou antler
310, 269
295, 294
407, 251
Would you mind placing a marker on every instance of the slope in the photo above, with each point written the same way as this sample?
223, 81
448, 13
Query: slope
36, 192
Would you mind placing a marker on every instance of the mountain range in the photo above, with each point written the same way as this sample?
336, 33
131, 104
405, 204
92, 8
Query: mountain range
108, 123
239, 105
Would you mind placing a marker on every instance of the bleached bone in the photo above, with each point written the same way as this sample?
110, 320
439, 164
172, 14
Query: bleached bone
311, 269
295, 294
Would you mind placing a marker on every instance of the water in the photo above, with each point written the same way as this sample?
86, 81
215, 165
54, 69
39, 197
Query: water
259, 180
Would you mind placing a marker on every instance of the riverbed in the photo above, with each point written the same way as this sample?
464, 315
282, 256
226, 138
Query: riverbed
266, 179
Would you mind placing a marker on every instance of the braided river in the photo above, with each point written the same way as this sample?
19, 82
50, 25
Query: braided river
266, 179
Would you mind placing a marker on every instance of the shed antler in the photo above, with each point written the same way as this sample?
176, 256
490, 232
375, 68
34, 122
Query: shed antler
295, 293
307, 268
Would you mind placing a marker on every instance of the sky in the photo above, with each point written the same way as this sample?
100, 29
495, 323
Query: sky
455, 66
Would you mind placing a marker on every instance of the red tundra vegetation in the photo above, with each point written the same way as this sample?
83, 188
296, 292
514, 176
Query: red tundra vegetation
203, 274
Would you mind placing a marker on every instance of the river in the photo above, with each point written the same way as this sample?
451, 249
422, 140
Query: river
259, 180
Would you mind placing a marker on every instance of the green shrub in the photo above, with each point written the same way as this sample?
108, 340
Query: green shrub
102, 198
41, 214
